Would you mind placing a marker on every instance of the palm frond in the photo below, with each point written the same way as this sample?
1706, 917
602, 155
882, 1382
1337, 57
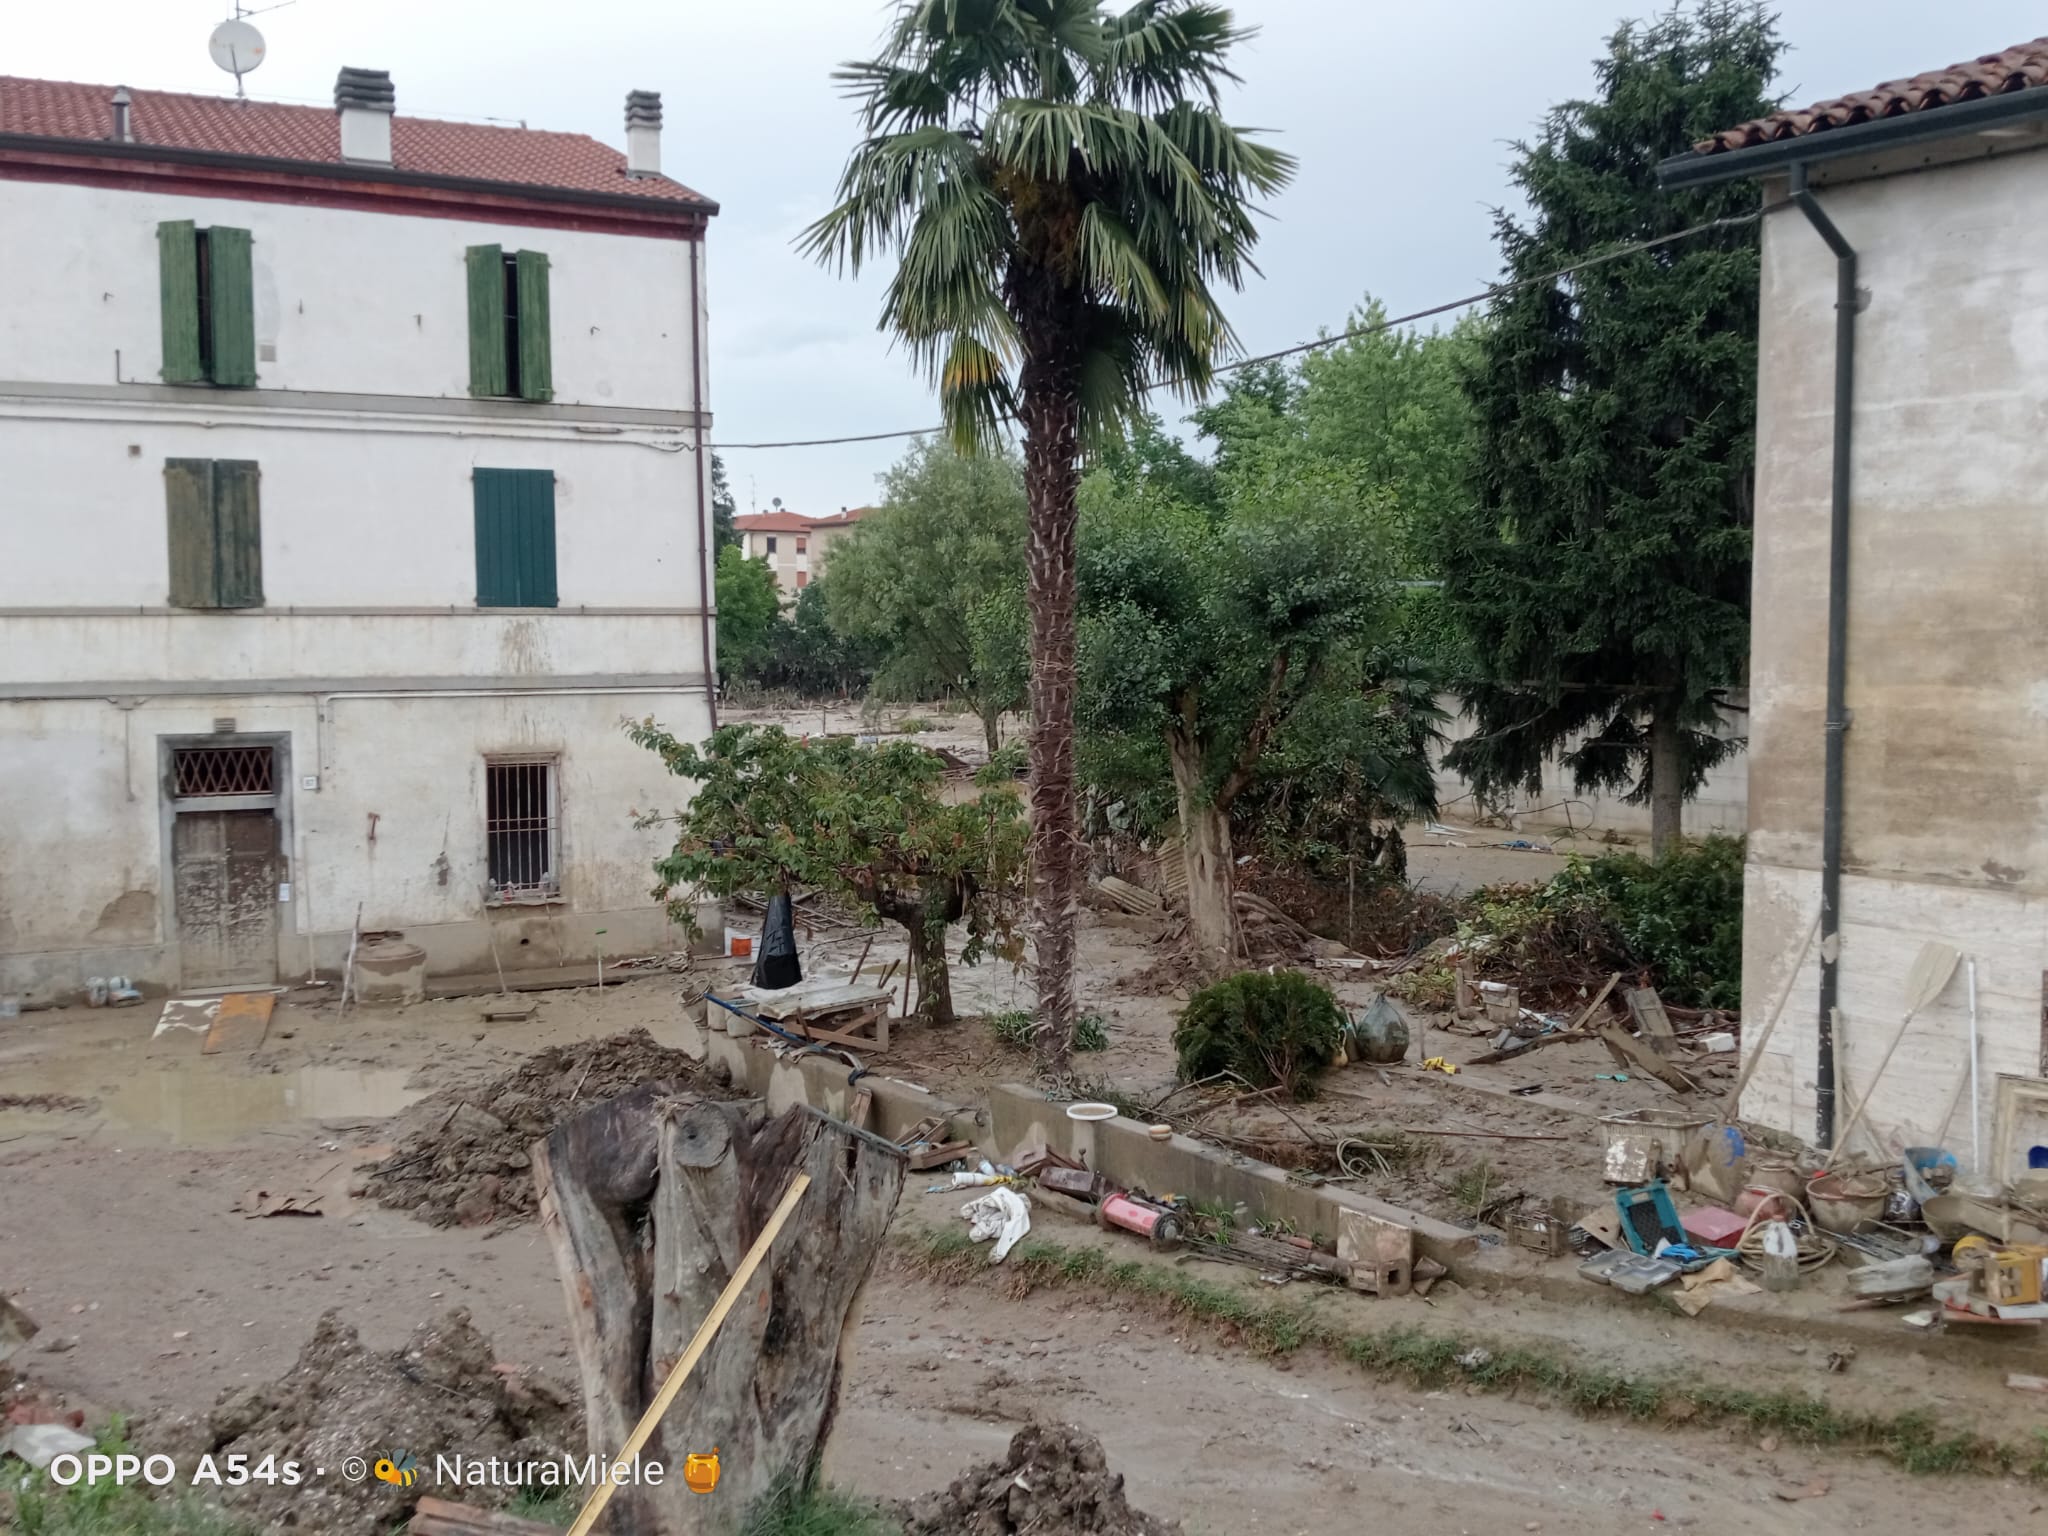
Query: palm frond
975, 395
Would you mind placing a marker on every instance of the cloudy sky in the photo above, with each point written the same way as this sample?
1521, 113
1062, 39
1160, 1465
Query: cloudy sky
1399, 112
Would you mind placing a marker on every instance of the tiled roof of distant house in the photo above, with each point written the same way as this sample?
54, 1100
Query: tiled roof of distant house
795, 522
514, 157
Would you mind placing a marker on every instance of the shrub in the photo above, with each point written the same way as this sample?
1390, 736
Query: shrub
1266, 1026
1681, 916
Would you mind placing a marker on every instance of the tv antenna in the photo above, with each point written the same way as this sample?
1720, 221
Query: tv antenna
236, 46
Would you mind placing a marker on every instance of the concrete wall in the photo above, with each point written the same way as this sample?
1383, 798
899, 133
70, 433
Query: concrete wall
1946, 803
1721, 806
371, 663
85, 891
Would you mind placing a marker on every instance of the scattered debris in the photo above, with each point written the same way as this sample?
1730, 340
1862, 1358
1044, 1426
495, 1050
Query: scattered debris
462, 1158
1055, 1478
1698, 1291
1002, 1214
16, 1328
41, 1444
443, 1393
264, 1202
52, 1103
1813, 1489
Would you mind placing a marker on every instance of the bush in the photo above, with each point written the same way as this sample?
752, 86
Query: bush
1266, 1026
1017, 1028
1682, 917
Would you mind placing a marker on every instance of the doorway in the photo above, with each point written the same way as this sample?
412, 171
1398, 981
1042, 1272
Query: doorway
226, 863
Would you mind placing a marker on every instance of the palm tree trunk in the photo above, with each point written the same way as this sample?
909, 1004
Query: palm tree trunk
1051, 418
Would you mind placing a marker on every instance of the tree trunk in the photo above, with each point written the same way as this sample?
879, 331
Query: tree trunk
1206, 852
649, 1203
992, 730
1051, 416
1667, 779
934, 980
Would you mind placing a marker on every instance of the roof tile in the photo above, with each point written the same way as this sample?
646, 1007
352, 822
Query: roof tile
525, 157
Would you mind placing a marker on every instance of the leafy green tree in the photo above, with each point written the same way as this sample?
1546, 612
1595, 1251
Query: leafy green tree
749, 609
1210, 634
809, 657
725, 531
1601, 575
772, 814
1062, 191
911, 577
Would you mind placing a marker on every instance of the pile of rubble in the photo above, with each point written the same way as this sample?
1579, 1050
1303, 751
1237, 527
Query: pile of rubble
1055, 1478
442, 1393
462, 1155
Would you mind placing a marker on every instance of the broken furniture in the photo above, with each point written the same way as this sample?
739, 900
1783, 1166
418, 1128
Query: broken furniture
826, 1009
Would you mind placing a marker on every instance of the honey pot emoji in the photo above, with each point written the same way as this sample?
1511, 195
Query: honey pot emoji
700, 1473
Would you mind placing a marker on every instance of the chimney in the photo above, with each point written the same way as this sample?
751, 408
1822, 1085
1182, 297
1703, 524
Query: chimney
365, 101
643, 133
124, 132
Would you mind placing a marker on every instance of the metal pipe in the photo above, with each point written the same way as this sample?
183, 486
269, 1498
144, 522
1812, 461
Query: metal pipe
706, 599
1837, 725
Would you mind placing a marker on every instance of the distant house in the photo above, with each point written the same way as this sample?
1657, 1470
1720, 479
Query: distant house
1898, 765
353, 490
794, 546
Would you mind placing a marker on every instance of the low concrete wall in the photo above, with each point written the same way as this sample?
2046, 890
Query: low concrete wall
1121, 1149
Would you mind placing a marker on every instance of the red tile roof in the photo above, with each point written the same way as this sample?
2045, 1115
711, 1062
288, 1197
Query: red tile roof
794, 522
2020, 68
523, 157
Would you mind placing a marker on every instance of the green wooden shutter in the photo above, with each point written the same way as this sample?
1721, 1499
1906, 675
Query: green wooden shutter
237, 534
234, 306
188, 503
177, 245
515, 538
536, 352
487, 320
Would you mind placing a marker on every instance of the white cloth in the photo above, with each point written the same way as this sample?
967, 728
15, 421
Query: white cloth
1002, 1214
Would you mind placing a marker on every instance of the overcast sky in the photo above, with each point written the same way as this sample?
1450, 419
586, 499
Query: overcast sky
1399, 112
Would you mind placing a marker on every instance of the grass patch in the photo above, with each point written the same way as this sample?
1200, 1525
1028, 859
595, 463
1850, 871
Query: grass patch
105, 1509
1018, 1028
910, 725
820, 1512
1912, 1440
552, 1506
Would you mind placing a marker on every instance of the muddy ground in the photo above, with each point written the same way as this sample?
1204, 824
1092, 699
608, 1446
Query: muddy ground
118, 1233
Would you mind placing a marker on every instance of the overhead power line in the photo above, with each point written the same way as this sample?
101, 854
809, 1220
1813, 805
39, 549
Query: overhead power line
1350, 333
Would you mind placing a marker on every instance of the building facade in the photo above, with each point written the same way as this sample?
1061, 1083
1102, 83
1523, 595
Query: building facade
354, 492
794, 546
1933, 190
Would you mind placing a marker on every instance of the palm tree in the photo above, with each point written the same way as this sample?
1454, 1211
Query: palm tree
1061, 191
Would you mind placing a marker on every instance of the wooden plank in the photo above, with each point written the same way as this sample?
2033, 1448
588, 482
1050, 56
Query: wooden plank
852, 1042
1637, 1057
944, 1152
1647, 1009
857, 1111
240, 1023
837, 997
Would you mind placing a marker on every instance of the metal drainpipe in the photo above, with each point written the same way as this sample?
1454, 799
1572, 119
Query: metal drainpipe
705, 601
1838, 655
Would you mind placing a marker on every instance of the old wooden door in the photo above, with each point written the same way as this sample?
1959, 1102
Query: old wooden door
224, 873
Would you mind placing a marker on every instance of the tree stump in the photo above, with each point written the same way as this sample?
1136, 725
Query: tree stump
650, 1202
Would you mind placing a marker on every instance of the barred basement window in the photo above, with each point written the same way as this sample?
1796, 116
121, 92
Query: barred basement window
519, 828
202, 771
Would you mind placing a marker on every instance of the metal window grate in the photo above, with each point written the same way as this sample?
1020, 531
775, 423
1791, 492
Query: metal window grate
519, 826
200, 771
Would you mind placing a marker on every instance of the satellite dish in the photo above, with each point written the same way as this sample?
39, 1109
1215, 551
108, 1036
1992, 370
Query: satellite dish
237, 48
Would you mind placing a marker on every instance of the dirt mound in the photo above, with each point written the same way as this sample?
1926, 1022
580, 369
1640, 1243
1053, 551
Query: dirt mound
1055, 1479
441, 1394
462, 1152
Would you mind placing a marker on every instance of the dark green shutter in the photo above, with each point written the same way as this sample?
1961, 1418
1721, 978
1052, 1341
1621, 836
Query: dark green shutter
486, 320
536, 352
177, 245
234, 306
515, 538
237, 534
188, 501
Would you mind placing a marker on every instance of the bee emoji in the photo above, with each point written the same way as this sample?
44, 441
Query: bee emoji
700, 1473
399, 1471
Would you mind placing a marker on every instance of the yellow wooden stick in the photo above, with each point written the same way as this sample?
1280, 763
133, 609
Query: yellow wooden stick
601, 1495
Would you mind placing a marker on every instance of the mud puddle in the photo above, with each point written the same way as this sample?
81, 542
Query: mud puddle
200, 1104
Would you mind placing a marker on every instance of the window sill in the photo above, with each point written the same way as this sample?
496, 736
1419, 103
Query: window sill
525, 899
